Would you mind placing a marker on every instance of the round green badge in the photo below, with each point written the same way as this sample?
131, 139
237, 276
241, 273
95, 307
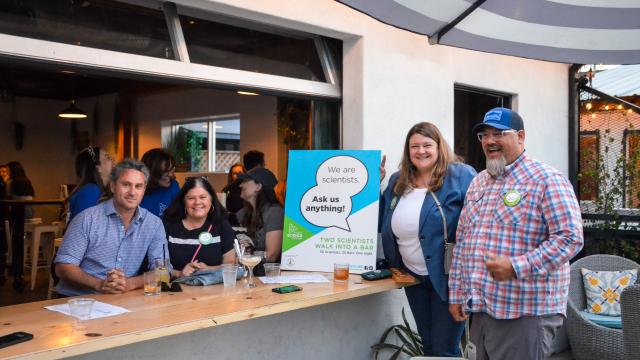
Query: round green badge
512, 198
205, 238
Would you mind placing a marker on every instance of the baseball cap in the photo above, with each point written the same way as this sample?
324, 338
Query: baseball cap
260, 175
500, 118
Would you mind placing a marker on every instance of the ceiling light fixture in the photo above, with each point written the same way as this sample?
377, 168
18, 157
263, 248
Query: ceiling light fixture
72, 112
247, 93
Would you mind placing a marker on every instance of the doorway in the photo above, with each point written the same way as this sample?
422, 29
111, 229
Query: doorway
470, 105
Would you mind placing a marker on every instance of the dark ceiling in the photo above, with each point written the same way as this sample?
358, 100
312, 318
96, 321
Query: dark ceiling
64, 83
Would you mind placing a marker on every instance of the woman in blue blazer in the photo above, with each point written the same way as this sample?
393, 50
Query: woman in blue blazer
413, 235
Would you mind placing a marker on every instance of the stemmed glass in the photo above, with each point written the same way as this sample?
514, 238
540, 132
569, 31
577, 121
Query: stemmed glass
250, 261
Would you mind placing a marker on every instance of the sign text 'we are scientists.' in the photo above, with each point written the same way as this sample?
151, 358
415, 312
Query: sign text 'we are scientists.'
331, 210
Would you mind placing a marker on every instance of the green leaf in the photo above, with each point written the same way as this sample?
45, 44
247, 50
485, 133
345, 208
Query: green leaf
414, 339
397, 354
405, 340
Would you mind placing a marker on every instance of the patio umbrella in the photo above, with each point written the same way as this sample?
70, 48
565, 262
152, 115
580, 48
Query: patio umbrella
568, 31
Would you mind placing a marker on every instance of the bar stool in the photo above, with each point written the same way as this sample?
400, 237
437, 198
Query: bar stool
47, 248
28, 228
56, 245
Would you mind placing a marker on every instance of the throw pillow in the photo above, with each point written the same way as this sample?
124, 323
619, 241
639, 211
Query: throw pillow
603, 289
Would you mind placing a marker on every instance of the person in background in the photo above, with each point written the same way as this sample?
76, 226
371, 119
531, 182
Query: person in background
162, 187
106, 245
253, 159
19, 187
413, 233
4, 173
262, 215
281, 191
520, 226
232, 191
196, 210
93, 168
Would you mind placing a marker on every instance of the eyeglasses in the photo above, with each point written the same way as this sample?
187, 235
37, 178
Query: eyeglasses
496, 135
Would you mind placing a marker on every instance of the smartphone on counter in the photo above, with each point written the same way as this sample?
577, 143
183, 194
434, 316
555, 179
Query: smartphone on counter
376, 274
15, 338
286, 289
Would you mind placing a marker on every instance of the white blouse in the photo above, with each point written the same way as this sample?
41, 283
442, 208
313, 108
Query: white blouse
405, 224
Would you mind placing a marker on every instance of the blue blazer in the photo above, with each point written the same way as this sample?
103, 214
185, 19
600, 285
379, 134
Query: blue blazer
451, 197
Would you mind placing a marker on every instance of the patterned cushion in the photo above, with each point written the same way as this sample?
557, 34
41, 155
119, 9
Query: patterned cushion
603, 289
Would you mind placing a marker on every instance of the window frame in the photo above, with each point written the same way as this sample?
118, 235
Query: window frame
169, 129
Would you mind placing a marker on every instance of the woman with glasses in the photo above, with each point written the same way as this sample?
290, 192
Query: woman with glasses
262, 215
93, 167
162, 187
196, 216
429, 188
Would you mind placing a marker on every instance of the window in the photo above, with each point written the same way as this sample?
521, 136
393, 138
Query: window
589, 155
108, 25
261, 50
210, 144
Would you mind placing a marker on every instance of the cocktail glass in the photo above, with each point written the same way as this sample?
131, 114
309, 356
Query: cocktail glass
250, 261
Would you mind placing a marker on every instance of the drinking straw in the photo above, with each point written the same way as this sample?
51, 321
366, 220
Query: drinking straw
199, 246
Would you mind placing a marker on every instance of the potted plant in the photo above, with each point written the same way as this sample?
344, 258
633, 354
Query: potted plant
400, 339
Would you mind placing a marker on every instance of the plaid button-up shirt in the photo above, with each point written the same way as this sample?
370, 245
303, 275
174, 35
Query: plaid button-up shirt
539, 227
96, 242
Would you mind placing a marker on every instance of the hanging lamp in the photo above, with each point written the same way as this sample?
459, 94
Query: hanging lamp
72, 112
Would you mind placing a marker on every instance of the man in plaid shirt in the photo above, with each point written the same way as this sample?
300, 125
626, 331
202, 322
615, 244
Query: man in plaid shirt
519, 227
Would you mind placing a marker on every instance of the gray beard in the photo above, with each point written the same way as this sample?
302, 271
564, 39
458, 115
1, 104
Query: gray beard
496, 167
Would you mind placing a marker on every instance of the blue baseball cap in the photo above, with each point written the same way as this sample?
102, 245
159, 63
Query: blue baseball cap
500, 118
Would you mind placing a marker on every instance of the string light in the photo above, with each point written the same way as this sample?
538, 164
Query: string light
588, 106
620, 107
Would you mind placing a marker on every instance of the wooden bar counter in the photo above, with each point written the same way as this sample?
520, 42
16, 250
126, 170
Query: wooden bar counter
154, 317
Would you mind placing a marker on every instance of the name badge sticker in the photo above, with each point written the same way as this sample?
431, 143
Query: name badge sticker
512, 198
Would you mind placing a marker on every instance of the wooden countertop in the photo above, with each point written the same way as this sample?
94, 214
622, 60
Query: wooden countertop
197, 307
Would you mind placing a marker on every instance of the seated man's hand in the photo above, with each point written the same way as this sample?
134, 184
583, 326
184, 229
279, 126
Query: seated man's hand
115, 283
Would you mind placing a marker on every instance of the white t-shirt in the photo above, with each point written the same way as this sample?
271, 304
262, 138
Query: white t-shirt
405, 224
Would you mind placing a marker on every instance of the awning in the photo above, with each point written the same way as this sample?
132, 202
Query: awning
568, 31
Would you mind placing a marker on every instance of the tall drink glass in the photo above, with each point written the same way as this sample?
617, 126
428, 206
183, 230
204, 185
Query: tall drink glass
163, 271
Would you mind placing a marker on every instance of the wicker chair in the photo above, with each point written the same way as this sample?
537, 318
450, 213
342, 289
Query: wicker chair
630, 307
588, 340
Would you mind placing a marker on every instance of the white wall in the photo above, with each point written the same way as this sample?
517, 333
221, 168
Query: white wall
340, 330
393, 78
258, 125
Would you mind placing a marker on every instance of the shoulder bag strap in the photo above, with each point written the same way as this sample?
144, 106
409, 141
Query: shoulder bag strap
444, 219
